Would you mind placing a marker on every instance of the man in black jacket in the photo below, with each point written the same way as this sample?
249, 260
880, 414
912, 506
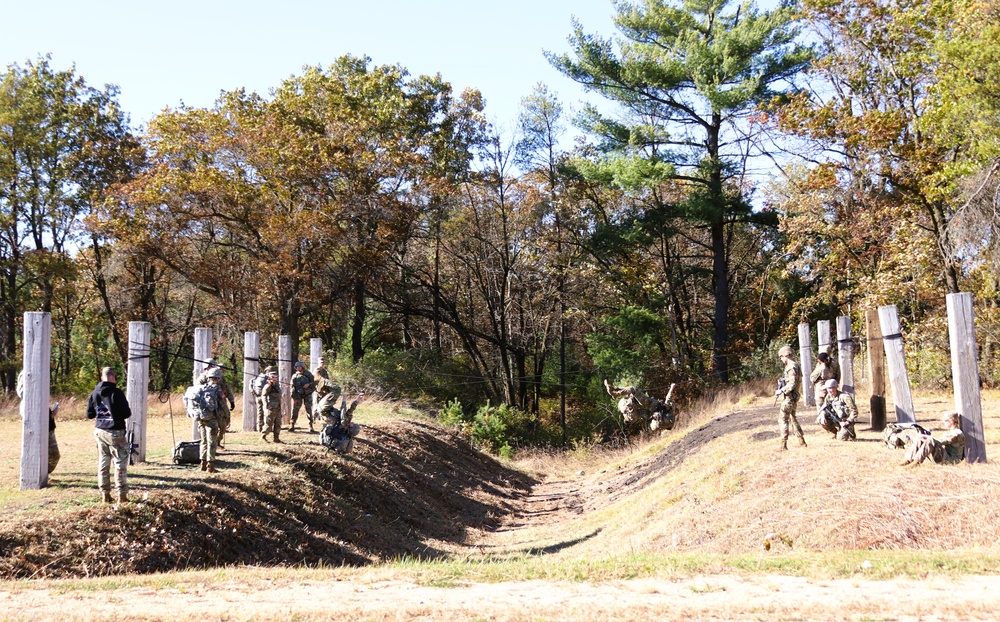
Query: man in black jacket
108, 405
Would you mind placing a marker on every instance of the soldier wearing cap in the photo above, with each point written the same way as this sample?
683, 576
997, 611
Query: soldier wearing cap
321, 371
270, 399
789, 392
109, 407
826, 369
227, 400
839, 412
303, 386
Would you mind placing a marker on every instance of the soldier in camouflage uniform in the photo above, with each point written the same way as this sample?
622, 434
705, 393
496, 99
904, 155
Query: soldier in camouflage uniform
303, 385
270, 398
826, 369
789, 393
950, 448
256, 387
844, 410
227, 400
209, 422
321, 371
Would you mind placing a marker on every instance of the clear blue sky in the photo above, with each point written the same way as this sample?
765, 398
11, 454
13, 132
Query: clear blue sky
163, 53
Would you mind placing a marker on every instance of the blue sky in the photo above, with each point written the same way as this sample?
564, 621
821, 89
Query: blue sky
163, 53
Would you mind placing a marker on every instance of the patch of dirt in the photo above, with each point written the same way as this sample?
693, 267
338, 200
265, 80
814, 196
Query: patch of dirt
407, 486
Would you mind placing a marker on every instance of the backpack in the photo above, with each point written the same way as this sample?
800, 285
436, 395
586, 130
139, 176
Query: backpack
257, 386
187, 452
335, 438
200, 402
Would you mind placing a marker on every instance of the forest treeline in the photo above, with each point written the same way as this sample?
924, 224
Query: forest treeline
742, 171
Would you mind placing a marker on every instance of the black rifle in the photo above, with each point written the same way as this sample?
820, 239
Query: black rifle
777, 394
133, 447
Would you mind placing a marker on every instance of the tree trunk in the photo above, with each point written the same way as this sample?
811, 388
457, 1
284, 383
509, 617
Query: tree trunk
358, 324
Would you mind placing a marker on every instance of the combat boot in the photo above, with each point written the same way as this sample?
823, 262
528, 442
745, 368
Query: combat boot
204, 465
211, 466
106, 496
122, 496
784, 444
802, 441
263, 437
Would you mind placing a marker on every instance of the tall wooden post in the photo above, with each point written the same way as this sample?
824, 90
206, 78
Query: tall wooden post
315, 352
876, 368
965, 373
845, 354
202, 352
899, 379
251, 369
805, 355
137, 387
35, 401
285, 376
822, 336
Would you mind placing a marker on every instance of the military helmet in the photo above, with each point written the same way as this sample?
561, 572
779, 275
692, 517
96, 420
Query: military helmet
832, 384
322, 386
299, 364
215, 373
211, 363
785, 351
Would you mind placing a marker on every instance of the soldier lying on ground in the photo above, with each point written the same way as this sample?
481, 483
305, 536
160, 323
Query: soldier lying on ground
338, 431
950, 448
641, 410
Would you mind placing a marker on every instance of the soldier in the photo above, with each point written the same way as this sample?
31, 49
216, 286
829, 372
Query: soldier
270, 398
632, 400
343, 431
257, 388
226, 404
212, 402
843, 410
53, 444
826, 369
949, 449
321, 371
109, 407
303, 385
788, 389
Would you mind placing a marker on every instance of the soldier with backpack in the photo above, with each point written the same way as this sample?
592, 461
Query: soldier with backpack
303, 385
339, 431
203, 404
270, 399
226, 404
257, 388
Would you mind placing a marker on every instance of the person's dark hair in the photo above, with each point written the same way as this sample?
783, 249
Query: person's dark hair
823, 356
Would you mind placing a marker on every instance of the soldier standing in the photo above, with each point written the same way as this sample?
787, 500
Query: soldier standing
788, 389
845, 412
227, 401
270, 399
826, 369
321, 371
303, 385
212, 403
109, 407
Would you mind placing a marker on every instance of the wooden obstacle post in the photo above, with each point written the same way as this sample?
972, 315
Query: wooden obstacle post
202, 352
965, 373
285, 376
251, 369
315, 352
805, 356
845, 354
899, 380
876, 368
822, 336
35, 401
137, 387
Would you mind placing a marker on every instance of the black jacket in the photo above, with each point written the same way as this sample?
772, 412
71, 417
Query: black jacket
108, 405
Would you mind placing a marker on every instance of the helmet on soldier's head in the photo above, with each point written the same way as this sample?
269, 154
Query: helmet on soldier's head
785, 351
211, 363
268, 369
299, 364
832, 384
215, 373
322, 386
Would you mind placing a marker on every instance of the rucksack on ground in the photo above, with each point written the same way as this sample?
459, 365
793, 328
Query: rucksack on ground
187, 452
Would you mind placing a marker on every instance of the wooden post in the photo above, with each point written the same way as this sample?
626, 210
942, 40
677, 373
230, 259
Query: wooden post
35, 402
845, 354
251, 369
315, 352
137, 387
202, 352
805, 355
823, 336
285, 376
899, 380
965, 373
876, 369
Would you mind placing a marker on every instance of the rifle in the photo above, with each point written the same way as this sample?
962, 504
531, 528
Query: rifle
133, 447
781, 386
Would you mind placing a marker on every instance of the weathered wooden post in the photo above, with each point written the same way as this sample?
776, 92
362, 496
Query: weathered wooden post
251, 369
876, 368
285, 376
137, 387
899, 379
845, 354
965, 373
35, 401
202, 352
805, 355
315, 352
822, 336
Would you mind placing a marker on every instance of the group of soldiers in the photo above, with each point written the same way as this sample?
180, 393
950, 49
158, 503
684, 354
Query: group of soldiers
213, 402
837, 412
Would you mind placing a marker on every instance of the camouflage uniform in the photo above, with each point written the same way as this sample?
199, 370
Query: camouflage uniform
633, 400
208, 425
224, 413
950, 448
846, 413
789, 393
303, 385
258, 402
53, 444
823, 372
270, 399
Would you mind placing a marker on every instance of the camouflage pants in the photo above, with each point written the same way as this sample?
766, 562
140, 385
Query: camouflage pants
112, 446
225, 417
53, 451
787, 417
820, 388
260, 413
272, 422
297, 403
925, 447
209, 432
